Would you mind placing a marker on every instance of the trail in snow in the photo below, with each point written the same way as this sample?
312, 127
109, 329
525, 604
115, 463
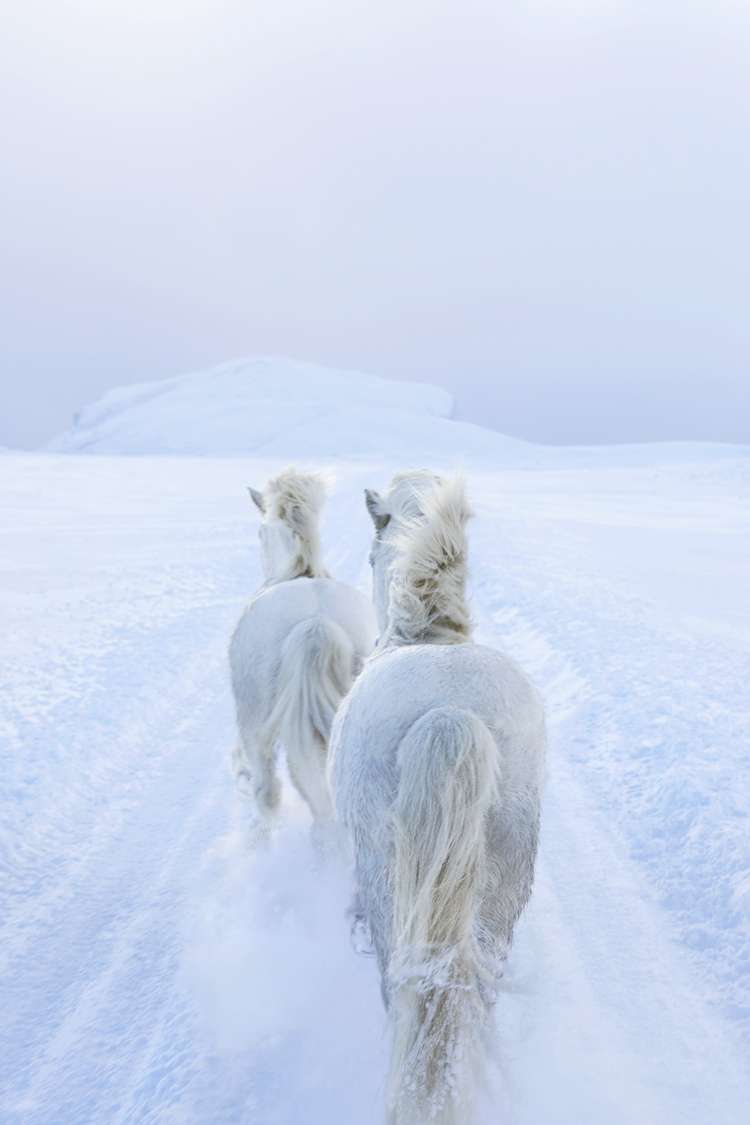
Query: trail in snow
155, 968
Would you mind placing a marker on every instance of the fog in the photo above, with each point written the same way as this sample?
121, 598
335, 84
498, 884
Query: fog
542, 205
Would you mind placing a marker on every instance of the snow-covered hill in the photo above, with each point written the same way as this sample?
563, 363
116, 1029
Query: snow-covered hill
251, 405
154, 969
275, 407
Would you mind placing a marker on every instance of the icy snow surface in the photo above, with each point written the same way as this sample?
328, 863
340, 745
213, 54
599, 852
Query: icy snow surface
156, 969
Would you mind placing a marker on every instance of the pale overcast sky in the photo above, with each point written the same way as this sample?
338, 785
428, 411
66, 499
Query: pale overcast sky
542, 205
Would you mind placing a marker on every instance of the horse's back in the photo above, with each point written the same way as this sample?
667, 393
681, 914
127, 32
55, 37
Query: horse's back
279, 608
400, 686
270, 617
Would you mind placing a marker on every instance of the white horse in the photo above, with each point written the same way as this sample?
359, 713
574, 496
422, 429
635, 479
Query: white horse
295, 652
436, 766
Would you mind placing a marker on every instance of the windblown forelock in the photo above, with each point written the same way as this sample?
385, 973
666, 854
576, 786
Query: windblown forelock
406, 496
294, 497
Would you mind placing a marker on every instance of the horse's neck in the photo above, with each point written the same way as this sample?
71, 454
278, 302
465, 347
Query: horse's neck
439, 633
304, 562
412, 619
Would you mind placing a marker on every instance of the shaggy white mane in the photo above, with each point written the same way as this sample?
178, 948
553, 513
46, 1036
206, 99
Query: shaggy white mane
428, 576
297, 499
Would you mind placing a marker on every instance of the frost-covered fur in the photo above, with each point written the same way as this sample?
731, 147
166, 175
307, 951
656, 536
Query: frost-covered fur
295, 652
436, 764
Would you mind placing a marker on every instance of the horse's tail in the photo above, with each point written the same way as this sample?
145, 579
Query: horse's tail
316, 671
448, 779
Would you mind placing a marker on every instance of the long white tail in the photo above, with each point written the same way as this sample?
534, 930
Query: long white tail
315, 673
448, 778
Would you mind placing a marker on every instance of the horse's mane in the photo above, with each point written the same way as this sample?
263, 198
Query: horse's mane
428, 577
296, 499
406, 493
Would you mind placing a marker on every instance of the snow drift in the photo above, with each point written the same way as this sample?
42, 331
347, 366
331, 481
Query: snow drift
155, 971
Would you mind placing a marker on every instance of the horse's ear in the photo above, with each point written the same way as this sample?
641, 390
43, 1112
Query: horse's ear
375, 506
257, 498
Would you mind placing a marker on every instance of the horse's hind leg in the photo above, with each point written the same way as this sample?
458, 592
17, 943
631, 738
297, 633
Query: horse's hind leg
511, 850
254, 764
307, 769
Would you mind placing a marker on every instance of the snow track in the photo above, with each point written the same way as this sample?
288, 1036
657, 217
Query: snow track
156, 969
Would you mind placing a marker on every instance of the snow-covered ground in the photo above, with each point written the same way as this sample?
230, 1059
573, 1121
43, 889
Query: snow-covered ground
156, 969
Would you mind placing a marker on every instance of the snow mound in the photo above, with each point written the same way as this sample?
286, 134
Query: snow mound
245, 406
